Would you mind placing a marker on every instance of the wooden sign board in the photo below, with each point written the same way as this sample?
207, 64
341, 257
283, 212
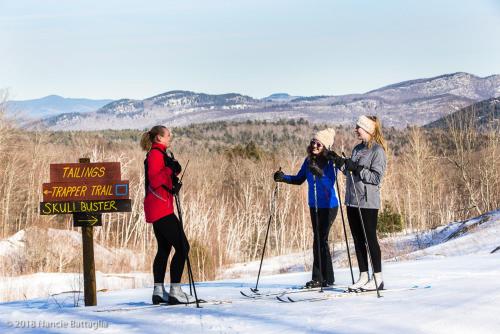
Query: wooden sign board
85, 191
85, 172
87, 219
57, 208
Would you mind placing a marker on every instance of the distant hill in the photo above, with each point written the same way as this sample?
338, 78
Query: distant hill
414, 102
53, 105
485, 114
284, 97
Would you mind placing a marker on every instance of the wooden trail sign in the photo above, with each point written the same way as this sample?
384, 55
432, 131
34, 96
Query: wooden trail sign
86, 190
84, 172
110, 206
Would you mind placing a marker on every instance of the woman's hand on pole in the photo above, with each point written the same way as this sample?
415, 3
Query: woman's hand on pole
279, 176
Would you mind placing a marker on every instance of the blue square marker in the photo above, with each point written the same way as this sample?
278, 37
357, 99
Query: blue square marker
121, 189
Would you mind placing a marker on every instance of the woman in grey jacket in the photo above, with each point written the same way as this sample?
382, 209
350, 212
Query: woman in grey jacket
367, 165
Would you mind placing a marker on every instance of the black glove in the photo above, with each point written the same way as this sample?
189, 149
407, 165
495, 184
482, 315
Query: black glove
315, 169
353, 166
331, 155
337, 159
176, 185
279, 176
173, 164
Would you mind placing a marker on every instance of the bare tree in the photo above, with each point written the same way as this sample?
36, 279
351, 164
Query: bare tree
464, 136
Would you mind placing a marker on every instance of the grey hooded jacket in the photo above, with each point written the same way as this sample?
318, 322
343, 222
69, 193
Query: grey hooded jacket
369, 180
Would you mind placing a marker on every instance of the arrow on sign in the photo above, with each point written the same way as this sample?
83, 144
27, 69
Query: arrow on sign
86, 219
46, 192
91, 221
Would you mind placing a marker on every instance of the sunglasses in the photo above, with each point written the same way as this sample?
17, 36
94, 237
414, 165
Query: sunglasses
315, 143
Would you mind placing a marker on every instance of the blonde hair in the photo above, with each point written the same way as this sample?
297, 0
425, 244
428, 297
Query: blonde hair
377, 136
149, 137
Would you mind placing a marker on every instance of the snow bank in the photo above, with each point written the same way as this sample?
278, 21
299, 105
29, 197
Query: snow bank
479, 235
64, 246
47, 284
64, 249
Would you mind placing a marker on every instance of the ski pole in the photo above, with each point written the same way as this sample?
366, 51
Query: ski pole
186, 254
343, 225
184, 172
317, 235
273, 204
182, 234
183, 238
364, 232
190, 275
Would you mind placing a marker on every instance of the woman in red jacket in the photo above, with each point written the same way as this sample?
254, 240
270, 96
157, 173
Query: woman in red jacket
161, 171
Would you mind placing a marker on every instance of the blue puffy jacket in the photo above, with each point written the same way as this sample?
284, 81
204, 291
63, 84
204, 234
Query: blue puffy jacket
325, 185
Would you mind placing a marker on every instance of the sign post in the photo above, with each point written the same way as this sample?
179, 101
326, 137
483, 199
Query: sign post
86, 190
89, 284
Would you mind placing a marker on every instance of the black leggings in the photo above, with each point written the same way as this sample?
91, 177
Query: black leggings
370, 223
325, 218
168, 233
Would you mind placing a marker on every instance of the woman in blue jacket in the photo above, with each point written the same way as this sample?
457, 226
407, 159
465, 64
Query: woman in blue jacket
319, 171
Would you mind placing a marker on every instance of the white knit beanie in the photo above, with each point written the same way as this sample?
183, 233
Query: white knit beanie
366, 124
325, 137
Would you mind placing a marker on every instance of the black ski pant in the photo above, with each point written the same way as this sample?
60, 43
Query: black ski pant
326, 216
370, 223
169, 233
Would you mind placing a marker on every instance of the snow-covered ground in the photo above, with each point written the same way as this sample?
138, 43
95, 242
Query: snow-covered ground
458, 264
464, 298
64, 248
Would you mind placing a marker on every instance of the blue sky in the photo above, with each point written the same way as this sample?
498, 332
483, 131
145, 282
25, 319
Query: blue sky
136, 49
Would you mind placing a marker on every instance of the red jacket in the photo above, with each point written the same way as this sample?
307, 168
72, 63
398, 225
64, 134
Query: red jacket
158, 202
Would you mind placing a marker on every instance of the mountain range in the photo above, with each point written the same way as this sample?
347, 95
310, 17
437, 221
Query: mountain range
53, 105
484, 115
414, 102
